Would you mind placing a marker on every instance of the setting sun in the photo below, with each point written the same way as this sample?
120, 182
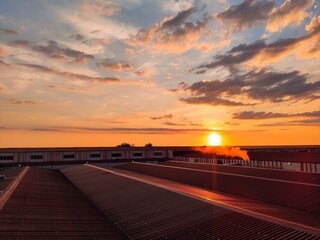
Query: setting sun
214, 139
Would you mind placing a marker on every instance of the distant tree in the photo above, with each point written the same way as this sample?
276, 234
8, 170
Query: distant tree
148, 145
125, 145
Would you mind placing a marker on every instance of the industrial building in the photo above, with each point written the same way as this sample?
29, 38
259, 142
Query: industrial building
148, 196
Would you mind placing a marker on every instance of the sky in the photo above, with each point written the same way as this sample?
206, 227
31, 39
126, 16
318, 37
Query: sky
168, 72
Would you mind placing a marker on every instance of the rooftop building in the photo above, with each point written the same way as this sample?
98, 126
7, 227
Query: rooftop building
166, 200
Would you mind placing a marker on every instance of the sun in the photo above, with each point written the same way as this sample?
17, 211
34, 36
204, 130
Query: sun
214, 139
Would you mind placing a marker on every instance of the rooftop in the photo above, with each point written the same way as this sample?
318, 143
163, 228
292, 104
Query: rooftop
97, 202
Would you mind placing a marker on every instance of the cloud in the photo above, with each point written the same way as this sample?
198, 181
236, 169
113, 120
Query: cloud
8, 31
231, 123
271, 115
54, 51
260, 52
88, 41
302, 122
312, 45
247, 14
173, 35
20, 43
2, 52
166, 116
266, 85
179, 19
24, 102
257, 85
291, 12
201, 71
104, 8
314, 25
173, 124
214, 92
77, 77
176, 120
115, 65
144, 73
252, 12
1, 88
113, 130
70, 75
207, 47
69, 88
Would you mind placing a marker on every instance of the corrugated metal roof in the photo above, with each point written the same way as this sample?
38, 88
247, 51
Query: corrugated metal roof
145, 211
295, 195
313, 178
45, 205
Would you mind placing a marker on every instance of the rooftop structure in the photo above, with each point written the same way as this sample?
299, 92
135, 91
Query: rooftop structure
170, 200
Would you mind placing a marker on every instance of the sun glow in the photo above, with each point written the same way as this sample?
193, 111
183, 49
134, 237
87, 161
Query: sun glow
214, 139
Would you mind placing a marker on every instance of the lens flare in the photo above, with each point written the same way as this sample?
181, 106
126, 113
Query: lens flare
214, 139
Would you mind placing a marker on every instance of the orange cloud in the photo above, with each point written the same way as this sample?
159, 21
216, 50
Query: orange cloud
312, 45
2, 52
206, 47
290, 13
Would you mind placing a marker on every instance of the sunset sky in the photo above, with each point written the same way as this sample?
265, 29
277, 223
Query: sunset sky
169, 72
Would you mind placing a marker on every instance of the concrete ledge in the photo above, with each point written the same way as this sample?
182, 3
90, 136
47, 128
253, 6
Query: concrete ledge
12, 186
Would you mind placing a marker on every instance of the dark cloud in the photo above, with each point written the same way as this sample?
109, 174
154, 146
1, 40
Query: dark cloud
20, 43
243, 52
201, 71
88, 41
179, 19
258, 115
212, 100
77, 37
308, 114
252, 12
270, 115
69, 75
8, 31
176, 120
247, 14
115, 65
280, 86
257, 85
231, 123
54, 50
212, 92
167, 116
176, 34
260, 51
24, 102
302, 122
173, 124
113, 130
